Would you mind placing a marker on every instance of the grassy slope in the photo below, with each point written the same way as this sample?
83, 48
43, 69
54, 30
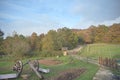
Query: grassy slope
67, 64
103, 50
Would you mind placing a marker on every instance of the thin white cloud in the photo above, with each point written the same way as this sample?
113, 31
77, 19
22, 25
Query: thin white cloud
8, 16
110, 22
83, 24
17, 7
27, 27
96, 10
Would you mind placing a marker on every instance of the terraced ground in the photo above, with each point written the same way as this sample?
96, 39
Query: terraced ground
101, 50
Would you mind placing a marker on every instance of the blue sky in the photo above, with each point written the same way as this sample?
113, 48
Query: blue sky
27, 16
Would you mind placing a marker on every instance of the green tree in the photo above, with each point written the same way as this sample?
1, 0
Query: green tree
16, 46
1, 41
39, 42
50, 41
67, 38
33, 40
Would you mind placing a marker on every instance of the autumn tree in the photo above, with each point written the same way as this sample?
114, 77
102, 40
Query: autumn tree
84, 36
16, 46
99, 33
113, 35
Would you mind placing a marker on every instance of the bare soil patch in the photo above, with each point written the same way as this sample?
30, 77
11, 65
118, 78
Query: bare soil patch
70, 74
49, 62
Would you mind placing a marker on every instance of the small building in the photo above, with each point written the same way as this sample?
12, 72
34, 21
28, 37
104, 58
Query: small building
64, 49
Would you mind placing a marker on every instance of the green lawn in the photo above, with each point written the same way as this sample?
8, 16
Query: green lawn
6, 67
103, 50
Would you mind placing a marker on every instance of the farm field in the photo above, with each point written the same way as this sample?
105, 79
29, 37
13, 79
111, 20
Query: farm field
101, 50
66, 64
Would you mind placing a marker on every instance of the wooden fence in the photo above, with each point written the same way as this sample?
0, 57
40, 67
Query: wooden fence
108, 62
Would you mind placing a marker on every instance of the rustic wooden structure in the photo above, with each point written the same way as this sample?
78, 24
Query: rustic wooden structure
35, 70
64, 49
35, 67
108, 62
17, 67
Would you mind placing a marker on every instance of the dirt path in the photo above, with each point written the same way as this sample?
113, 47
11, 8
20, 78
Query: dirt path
102, 73
75, 50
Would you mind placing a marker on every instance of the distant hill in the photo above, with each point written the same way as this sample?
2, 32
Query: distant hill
100, 33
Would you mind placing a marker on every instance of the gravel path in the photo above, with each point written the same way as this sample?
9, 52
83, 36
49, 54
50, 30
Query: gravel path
103, 74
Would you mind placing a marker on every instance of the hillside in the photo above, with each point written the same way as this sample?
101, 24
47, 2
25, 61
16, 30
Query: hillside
101, 50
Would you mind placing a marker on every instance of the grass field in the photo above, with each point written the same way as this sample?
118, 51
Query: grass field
101, 50
67, 63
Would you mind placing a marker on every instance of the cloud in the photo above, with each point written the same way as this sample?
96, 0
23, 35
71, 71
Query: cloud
96, 10
83, 24
110, 22
27, 16
27, 27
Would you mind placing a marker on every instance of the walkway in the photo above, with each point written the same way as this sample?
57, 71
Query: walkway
102, 74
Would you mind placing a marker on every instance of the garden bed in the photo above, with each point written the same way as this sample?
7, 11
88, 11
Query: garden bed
70, 74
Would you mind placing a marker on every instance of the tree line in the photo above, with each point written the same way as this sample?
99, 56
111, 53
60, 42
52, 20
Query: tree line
50, 44
99, 34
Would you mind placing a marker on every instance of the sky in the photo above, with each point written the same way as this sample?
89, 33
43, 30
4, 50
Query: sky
40, 16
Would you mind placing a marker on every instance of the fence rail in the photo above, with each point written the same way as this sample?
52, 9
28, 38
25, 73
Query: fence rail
108, 62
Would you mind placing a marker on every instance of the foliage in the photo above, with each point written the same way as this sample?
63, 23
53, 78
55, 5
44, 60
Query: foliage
50, 42
67, 38
100, 34
1, 42
16, 46
113, 35
54, 40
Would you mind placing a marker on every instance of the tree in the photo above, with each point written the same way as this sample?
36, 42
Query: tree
33, 40
55, 40
99, 33
39, 42
113, 35
1, 41
85, 36
50, 42
67, 38
16, 46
